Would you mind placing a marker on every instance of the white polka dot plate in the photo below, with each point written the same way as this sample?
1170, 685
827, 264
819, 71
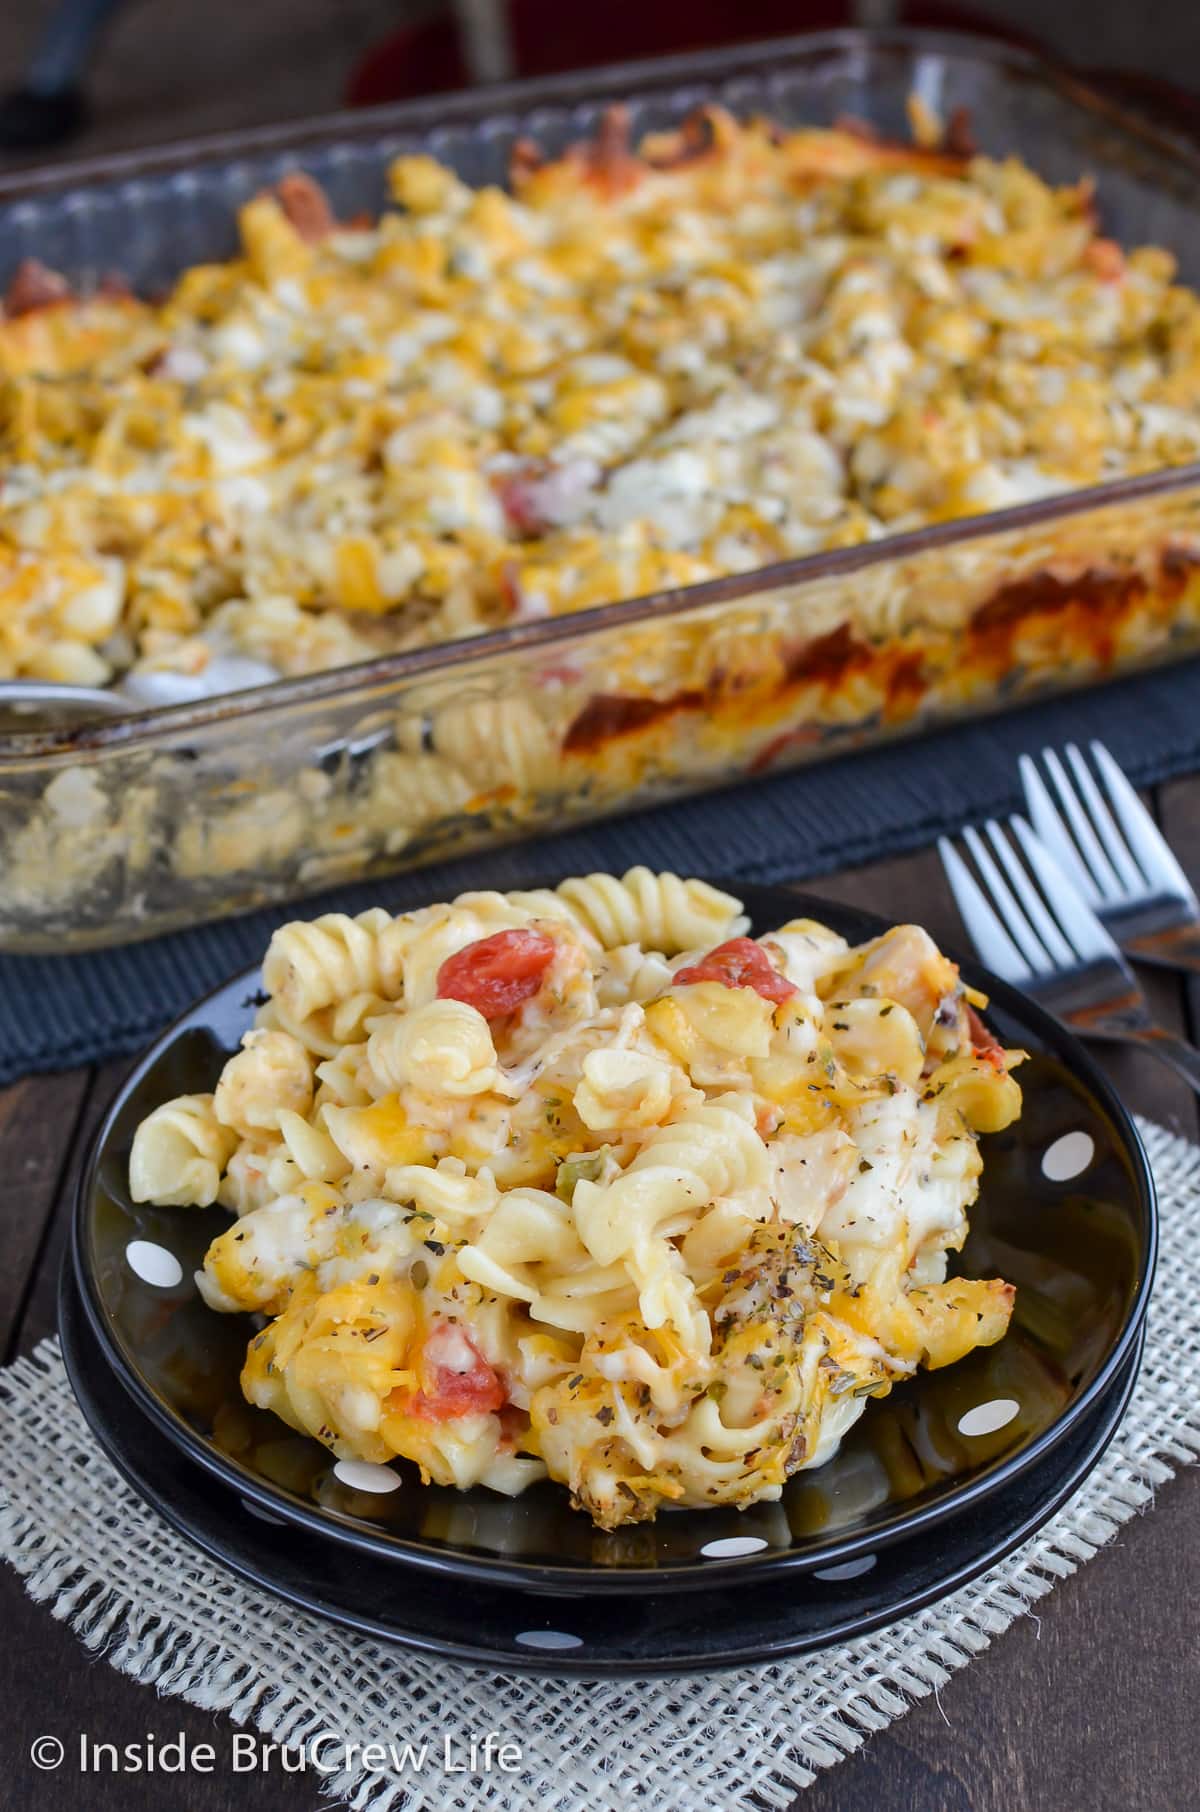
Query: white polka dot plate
1066, 1213
508, 1630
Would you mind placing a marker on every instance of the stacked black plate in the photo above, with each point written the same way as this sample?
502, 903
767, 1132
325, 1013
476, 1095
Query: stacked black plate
934, 1484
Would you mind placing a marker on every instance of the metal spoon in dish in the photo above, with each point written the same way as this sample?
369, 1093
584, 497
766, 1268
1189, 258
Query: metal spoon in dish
41, 704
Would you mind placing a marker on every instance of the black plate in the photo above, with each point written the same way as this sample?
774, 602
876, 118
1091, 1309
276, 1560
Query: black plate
1081, 1253
507, 1630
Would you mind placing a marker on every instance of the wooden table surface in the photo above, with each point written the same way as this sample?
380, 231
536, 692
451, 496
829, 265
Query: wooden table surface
1088, 1705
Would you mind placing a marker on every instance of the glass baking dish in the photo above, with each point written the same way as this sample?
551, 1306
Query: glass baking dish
121, 828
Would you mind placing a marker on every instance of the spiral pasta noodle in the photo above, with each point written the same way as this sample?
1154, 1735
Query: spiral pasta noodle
442, 1047
709, 1151
498, 740
661, 912
584, 1181
411, 790
631, 973
272, 1072
331, 1030
309, 966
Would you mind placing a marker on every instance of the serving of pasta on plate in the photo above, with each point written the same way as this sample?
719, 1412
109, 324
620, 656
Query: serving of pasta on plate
587, 1182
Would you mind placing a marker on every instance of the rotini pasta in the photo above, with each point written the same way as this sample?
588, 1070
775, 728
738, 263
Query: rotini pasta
272, 1072
309, 966
593, 1184
444, 1047
631, 973
711, 1150
330, 1031
496, 742
660, 912
409, 791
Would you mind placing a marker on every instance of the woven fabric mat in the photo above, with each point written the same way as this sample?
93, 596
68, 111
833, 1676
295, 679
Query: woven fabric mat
56, 1012
745, 1741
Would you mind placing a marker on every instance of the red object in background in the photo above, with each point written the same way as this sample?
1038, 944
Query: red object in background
548, 37
1164, 104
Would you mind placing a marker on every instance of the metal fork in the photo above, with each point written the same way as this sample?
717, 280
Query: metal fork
1115, 854
1031, 925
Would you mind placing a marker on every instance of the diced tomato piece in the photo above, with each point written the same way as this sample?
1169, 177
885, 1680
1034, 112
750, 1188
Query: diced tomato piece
452, 1393
780, 745
561, 673
609, 161
510, 586
520, 499
1105, 259
523, 606
497, 973
524, 160
459, 1394
34, 286
984, 1042
539, 495
741, 963
306, 205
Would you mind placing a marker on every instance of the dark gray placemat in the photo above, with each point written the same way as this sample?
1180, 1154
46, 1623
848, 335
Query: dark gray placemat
56, 1012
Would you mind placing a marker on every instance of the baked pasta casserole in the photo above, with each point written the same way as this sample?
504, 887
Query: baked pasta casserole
642, 368
587, 1182
679, 371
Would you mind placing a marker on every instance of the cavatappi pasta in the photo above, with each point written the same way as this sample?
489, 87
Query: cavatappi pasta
587, 1182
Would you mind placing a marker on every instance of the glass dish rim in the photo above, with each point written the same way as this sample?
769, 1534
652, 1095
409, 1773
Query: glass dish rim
575, 1579
148, 726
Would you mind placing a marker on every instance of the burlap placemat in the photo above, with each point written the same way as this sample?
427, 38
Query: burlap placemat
161, 1612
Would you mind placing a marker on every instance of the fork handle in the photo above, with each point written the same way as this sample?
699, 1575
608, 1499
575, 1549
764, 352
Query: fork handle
1182, 1056
1175, 949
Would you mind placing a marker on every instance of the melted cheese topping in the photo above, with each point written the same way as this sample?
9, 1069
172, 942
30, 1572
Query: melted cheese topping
632, 373
664, 1247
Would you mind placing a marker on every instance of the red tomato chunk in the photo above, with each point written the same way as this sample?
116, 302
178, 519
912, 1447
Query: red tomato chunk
984, 1042
497, 973
741, 963
454, 1392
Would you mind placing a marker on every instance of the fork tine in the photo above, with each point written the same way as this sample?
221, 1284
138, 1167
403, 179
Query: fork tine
1072, 911
1130, 877
995, 947
1060, 952
1015, 922
1081, 829
1145, 839
1053, 832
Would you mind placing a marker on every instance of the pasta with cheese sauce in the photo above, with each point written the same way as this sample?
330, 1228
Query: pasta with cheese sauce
655, 1221
643, 367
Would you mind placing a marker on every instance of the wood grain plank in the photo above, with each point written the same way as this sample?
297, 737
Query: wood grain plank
1098, 1688
1179, 820
38, 1312
37, 1121
53, 1686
